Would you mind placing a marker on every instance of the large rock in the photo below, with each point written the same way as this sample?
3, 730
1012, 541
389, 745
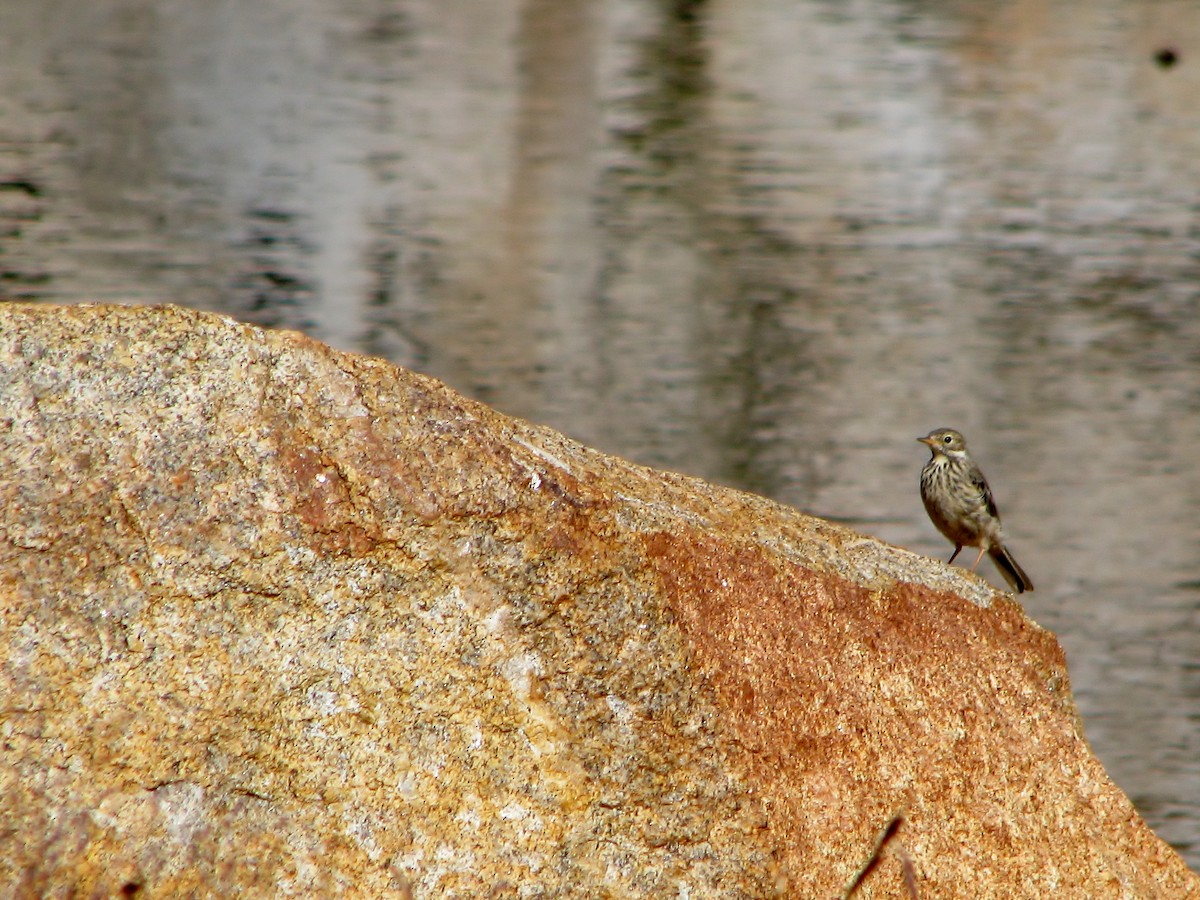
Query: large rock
282, 620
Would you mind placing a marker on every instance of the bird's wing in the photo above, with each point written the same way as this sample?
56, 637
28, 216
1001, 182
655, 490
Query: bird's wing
985, 492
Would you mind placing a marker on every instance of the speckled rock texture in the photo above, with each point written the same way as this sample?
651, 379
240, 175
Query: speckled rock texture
278, 620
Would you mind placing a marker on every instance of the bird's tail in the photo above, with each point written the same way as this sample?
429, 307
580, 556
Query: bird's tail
1010, 569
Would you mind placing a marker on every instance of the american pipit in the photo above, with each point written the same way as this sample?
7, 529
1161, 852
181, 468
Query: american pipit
959, 502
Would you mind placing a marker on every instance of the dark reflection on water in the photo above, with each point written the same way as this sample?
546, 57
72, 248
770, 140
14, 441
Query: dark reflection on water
768, 243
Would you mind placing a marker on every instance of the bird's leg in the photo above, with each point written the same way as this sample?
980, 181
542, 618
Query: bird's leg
957, 547
982, 550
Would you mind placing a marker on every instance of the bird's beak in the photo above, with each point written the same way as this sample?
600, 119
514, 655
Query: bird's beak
928, 441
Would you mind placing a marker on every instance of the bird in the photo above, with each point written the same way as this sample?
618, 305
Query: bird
960, 504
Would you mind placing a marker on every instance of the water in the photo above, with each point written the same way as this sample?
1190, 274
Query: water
764, 242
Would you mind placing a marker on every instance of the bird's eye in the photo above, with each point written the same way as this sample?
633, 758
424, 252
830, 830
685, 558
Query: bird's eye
947, 439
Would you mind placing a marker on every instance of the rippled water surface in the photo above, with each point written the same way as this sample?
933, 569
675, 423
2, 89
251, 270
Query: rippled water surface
768, 243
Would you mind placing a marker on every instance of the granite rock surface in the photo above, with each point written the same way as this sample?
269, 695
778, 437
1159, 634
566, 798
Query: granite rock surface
278, 620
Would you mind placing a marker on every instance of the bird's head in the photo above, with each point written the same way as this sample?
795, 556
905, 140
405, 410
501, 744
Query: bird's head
946, 441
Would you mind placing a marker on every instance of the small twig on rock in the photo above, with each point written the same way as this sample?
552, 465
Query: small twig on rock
881, 841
